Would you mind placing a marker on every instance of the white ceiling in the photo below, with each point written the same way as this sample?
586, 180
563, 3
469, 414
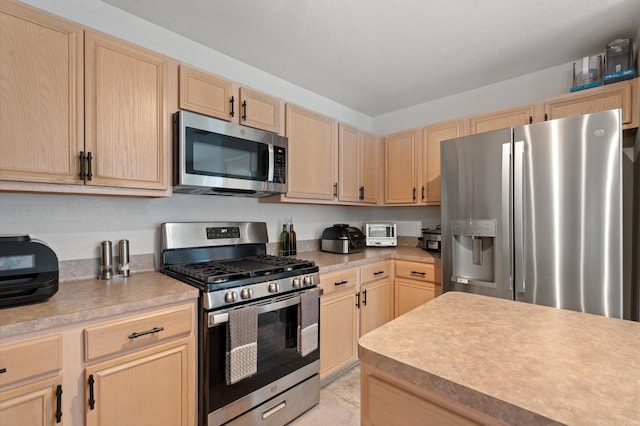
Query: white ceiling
378, 56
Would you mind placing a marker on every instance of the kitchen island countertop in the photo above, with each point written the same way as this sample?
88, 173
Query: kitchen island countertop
88, 299
515, 362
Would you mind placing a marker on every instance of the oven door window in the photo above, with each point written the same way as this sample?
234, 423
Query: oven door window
381, 231
214, 154
277, 356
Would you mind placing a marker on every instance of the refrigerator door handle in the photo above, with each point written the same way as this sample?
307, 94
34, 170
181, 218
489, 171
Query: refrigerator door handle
519, 217
507, 233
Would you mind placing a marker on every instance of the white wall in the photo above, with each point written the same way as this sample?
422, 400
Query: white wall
74, 226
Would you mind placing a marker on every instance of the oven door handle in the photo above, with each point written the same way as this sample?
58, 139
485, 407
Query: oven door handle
220, 317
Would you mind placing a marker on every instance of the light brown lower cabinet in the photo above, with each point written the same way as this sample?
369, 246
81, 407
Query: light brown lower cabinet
415, 283
151, 387
135, 369
338, 322
33, 404
389, 400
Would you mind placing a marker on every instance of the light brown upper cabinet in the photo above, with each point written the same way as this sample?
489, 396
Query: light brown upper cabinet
42, 112
511, 117
80, 108
623, 95
206, 93
358, 166
431, 138
312, 168
401, 168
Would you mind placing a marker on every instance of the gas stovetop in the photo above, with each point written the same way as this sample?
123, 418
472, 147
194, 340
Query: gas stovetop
238, 272
228, 262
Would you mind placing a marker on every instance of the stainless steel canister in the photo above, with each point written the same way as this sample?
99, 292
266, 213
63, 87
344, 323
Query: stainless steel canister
123, 263
106, 265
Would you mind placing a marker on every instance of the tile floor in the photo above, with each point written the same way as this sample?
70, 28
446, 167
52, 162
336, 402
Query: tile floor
339, 403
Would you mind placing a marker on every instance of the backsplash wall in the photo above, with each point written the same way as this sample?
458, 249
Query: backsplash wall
74, 226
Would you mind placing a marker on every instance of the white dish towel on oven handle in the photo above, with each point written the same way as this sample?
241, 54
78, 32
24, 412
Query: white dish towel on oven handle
308, 315
242, 344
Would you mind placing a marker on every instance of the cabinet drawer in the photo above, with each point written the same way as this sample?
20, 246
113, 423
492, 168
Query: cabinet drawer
137, 332
25, 360
376, 271
339, 280
416, 271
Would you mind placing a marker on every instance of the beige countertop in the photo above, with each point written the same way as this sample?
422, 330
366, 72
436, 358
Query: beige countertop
89, 299
330, 262
517, 362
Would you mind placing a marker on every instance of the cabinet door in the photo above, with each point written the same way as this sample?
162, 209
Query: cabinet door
618, 95
431, 138
400, 168
338, 331
34, 404
375, 305
41, 81
410, 294
152, 387
369, 166
312, 154
125, 114
207, 94
259, 110
349, 160
512, 117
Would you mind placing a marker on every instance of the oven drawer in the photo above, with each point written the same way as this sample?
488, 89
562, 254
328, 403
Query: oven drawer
339, 280
137, 332
376, 271
26, 360
416, 271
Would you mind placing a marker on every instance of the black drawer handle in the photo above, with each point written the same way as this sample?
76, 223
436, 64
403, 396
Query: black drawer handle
340, 282
3, 370
378, 273
422, 274
135, 334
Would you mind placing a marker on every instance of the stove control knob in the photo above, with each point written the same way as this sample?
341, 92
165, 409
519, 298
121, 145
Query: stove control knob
273, 287
296, 283
230, 296
246, 293
307, 280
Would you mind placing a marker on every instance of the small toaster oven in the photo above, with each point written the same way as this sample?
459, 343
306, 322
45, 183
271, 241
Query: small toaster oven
381, 234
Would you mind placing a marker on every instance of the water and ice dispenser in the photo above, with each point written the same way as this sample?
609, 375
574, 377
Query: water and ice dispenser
473, 243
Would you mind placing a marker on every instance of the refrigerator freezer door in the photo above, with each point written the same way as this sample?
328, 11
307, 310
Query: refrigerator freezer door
567, 213
475, 210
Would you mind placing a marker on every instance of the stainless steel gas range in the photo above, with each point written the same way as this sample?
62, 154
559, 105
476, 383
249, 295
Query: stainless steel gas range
259, 354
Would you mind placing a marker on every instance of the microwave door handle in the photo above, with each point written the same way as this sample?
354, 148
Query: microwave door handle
270, 163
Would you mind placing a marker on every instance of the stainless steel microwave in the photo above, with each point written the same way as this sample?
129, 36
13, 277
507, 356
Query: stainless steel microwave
216, 157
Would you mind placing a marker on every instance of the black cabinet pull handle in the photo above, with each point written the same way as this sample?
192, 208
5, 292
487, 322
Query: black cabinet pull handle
135, 334
89, 158
530, 119
340, 282
414, 193
378, 273
361, 189
244, 110
3, 370
358, 300
364, 298
422, 274
82, 165
92, 401
232, 101
335, 189
422, 192
546, 117
59, 404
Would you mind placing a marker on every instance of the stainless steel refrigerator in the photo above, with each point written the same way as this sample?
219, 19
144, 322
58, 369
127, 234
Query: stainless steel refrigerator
535, 214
